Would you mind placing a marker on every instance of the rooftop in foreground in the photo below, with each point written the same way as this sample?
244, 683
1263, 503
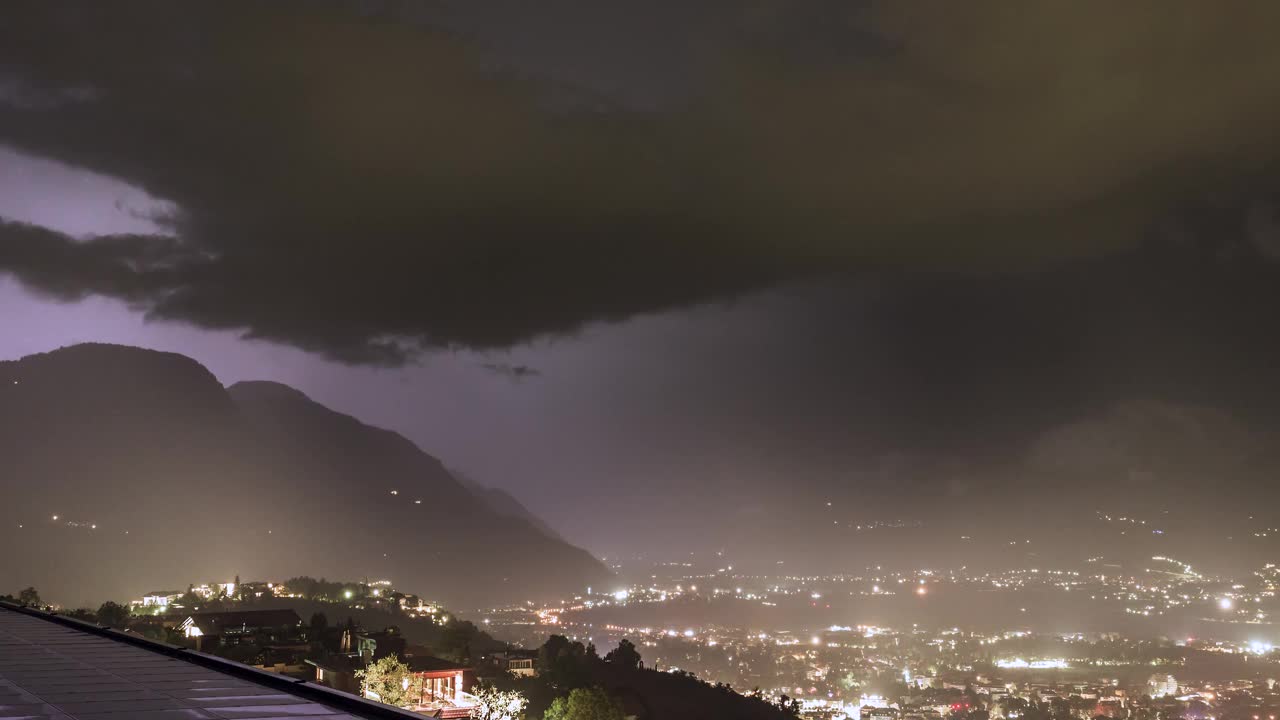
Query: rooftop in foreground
54, 668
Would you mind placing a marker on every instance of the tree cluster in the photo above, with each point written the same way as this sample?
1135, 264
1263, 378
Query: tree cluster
575, 683
390, 679
27, 597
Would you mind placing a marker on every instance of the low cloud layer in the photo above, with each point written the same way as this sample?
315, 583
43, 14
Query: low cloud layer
363, 185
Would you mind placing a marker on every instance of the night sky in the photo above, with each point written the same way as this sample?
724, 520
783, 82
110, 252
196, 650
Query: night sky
669, 271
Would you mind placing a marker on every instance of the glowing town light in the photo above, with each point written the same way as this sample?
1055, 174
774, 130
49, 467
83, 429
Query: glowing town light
395, 492
816, 640
1055, 664
688, 633
55, 517
921, 590
1225, 603
816, 596
875, 588
621, 595
347, 594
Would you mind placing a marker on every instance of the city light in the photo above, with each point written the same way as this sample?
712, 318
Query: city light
1225, 603
1017, 663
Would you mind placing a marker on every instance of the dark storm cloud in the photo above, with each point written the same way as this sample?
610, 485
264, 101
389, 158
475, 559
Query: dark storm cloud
362, 186
134, 268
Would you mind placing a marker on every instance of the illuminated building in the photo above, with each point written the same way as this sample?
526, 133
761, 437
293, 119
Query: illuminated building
878, 713
160, 598
1162, 685
444, 686
520, 663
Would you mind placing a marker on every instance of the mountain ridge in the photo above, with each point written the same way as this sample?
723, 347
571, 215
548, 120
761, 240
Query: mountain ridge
147, 452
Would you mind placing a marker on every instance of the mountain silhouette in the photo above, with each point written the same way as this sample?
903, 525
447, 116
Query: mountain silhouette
159, 476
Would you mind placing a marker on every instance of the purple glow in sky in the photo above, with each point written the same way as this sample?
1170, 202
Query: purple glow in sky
565, 442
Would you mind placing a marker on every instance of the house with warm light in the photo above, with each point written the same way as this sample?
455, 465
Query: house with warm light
160, 598
445, 686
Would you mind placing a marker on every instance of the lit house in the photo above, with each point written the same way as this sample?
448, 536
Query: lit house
160, 598
444, 686
521, 664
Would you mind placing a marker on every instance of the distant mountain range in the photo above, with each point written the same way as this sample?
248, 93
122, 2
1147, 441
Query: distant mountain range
158, 475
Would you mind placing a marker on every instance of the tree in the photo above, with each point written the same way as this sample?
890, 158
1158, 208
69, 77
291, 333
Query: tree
29, 597
495, 704
249, 654
456, 639
390, 679
585, 704
625, 656
189, 599
788, 705
113, 615
562, 662
155, 632
319, 624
